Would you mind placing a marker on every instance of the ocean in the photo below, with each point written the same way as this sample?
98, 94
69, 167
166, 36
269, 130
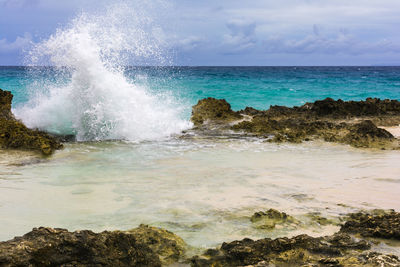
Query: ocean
258, 87
131, 162
131, 165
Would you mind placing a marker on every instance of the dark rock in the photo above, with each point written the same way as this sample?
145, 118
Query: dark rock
58, 247
343, 109
351, 122
295, 251
211, 109
5, 105
366, 134
15, 135
142, 246
380, 225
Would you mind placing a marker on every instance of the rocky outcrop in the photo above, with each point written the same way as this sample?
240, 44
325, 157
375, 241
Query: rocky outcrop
379, 224
215, 110
143, 246
15, 135
339, 249
151, 246
299, 250
349, 122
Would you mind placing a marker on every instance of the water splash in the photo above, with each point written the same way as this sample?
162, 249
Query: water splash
88, 94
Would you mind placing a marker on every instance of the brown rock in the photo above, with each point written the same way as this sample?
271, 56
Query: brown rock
15, 135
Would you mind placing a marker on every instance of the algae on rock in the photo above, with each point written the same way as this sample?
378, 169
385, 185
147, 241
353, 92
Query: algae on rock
142, 246
168, 246
349, 122
272, 217
15, 135
211, 109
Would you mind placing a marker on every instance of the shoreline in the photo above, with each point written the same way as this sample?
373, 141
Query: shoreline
356, 243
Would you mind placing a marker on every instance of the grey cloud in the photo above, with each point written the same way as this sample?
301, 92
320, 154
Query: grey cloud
343, 42
241, 37
190, 43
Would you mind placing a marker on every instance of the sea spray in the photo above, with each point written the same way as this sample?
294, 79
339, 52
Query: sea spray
88, 94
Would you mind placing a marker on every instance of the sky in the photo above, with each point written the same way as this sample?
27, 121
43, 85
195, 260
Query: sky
233, 32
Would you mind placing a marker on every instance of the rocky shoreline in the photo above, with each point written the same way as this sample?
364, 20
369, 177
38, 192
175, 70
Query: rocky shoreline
361, 124
352, 245
357, 123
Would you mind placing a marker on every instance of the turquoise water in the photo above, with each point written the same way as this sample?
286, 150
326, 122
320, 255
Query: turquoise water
202, 188
258, 87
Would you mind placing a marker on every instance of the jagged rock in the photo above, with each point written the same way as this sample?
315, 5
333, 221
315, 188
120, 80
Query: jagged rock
379, 224
269, 219
5, 105
168, 246
15, 135
343, 109
211, 109
142, 246
366, 134
295, 251
58, 247
348, 122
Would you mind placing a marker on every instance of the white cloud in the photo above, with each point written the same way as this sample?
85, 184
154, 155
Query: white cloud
18, 45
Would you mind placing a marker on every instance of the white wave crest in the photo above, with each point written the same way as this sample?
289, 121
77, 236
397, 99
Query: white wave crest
88, 95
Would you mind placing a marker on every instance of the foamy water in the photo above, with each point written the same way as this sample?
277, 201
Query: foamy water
89, 96
203, 190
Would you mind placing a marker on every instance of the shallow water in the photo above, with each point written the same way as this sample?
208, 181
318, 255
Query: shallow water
203, 189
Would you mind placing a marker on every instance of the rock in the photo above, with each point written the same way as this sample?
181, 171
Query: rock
380, 224
366, 134
348, 122
343, 109
215, 110
58, 247
296, 251
15, 135
5, 105
316, 217
168, 246
142, 246
269, 219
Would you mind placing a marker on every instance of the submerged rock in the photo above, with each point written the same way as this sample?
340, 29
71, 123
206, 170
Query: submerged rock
269, 219
15, 135
323, 221
211, 109
378, 224
349, 122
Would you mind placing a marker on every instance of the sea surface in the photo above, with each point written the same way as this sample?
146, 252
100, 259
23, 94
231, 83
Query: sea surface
205, 189
258, 87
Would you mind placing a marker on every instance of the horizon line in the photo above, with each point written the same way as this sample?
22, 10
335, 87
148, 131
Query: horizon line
209, 66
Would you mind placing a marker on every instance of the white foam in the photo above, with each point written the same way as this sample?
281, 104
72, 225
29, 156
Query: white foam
91, 97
